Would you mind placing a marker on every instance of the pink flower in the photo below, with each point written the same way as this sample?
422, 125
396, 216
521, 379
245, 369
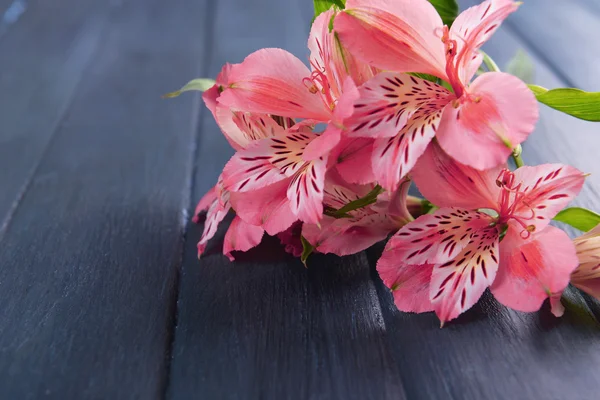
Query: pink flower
241, 129
283, 173
444, 261
587, 275
362, 227
273, 173
478, 123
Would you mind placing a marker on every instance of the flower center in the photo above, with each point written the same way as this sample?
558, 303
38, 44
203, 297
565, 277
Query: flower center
512, 204
318, 83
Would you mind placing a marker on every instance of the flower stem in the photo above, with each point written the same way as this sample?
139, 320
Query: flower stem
369, 199
517, 156
489, 63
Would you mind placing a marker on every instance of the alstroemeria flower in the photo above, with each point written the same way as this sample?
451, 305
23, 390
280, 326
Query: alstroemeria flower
241, 129
478, 123
444, 261
273, 81
253, 172
587, 275
362, 227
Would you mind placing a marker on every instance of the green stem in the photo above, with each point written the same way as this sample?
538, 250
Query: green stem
368, 199
517, 156
489, 63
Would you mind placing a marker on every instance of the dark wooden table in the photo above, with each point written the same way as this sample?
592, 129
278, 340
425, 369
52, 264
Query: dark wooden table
101, 294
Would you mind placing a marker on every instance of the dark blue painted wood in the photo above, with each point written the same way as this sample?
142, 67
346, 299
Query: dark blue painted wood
90, 257
42, 60
97, 173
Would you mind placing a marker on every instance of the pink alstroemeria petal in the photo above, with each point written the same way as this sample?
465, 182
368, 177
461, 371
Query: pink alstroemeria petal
241, 236
331, 58
267, 161
305, 191
354, 160
393, 35
331, 137
482, 131
241, 128
394, 157
270, 81
437, 238
251, 169
387, 102
534, 269
587, 275
267, 207
395, 204
472, 28
463, 186
546, 189
323, 144
211, 95
364, 227
215, 214
346, 236
458, 284
409, 283
205, 202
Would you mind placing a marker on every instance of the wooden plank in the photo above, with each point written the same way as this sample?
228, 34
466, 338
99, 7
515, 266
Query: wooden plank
592, 5
42, 60
564, 33
491, 352
90, 258
264, 326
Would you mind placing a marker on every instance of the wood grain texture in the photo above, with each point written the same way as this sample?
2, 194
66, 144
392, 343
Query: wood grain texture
90, 258
265, 327
42, 61
491, 352
564, 35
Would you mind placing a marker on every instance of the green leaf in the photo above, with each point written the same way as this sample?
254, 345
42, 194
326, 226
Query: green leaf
307, 250
448, 10
201, 85
368, 199
580, 218
521, 66
489, 62
575, 102
427, 77
324, 5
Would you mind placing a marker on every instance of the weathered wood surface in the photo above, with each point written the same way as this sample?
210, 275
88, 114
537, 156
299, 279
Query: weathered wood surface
102, 295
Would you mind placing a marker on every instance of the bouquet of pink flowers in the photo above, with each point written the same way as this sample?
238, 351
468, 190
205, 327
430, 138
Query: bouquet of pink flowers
398, 92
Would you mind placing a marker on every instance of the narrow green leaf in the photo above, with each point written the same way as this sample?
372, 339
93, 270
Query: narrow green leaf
489, 62
521, 66
324, 5
448, 10
201, 85
307, 250
575, 102
368, 199
580, 218
427, 77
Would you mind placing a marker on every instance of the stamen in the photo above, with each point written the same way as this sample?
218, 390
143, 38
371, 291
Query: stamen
319, 79
508, 208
